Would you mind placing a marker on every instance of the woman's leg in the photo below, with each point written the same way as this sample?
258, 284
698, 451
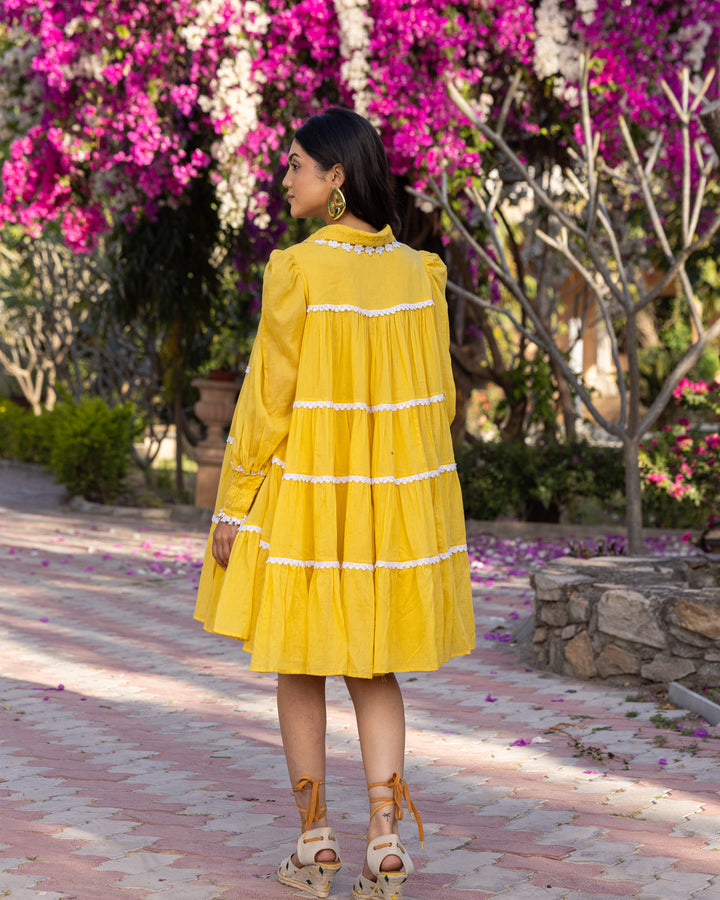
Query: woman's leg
301, 712
380, 717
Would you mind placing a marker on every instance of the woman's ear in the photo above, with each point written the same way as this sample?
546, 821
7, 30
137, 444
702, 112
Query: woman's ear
337, 175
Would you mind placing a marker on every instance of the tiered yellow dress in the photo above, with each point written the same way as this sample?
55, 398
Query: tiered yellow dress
339, 471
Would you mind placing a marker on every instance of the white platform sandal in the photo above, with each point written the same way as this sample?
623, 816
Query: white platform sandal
313, 877
388, 885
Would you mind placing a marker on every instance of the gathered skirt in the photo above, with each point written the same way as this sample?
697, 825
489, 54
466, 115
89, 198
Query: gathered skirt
360, 571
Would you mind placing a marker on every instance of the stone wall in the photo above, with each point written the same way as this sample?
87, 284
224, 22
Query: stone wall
634, 621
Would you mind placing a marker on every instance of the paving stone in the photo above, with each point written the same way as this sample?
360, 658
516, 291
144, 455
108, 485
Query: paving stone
639, 868
544, 821
190, 892
607, 853
116, 847
529, 891
460, 862
137, 790
667, 887
572, 835
494, 879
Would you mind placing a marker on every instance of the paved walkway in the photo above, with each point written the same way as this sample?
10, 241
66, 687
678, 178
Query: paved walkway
141, 758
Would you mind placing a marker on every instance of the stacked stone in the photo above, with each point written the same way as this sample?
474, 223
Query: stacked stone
633, 620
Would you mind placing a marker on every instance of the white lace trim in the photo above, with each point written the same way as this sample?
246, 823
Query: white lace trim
364, 479
276, 461
366, 567
247, 370
380, 407
428, 561
238, 468
230, 439
370, 313
358, 248
224, 517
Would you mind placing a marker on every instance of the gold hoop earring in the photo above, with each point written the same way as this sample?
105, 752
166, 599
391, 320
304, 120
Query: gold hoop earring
337, 204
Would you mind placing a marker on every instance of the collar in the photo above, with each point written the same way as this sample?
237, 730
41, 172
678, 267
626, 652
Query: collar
345, 235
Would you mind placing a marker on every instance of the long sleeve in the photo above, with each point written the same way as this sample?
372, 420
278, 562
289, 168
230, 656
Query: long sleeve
264, 408
437, 272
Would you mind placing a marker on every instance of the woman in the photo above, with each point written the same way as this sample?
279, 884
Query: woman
338, 544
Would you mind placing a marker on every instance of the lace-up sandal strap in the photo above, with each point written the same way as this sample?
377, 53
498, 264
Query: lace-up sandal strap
313, 811
401, 792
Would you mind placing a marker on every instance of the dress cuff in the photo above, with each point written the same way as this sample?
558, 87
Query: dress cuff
241, 494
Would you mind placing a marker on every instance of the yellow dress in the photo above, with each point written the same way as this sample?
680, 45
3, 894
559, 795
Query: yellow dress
351, 556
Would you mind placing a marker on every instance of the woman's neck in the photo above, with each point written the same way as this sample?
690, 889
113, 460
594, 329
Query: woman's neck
351, 221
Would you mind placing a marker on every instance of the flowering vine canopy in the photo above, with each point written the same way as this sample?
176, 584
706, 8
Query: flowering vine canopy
111, 107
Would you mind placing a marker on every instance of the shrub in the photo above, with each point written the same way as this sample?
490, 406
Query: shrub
10, 423
24, 436
536, 482
680, 464
91, 447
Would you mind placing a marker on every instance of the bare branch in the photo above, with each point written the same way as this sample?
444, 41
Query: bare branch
507, 101
501, 145
689, 360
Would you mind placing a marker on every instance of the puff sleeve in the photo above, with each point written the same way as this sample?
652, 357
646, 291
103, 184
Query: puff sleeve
263, 411
437, 273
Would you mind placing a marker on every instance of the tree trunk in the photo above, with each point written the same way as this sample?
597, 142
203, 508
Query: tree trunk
633, 496
631, 442
513, 429
178, 416
567, 401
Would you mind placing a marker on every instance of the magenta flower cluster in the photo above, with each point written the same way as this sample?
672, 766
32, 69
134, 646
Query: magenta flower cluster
683, 460
110, 108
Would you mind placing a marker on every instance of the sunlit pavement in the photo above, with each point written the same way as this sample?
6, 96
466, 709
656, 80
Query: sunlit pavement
141, 757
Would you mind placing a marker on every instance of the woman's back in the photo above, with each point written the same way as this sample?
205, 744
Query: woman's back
359, 521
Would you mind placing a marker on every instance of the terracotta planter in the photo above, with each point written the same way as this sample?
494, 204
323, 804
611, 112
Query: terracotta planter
215, 410
222, 375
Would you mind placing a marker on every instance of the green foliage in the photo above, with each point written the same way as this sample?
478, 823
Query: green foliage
679, 463
536, 482
657, 362
91, 445
662, 510
24, 436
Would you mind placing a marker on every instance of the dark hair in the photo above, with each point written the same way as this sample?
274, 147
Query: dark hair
342, 136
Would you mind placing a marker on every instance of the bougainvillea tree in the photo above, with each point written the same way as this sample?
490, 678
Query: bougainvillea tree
110, 108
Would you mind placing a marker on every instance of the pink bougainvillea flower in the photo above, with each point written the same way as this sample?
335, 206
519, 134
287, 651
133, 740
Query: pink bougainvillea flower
520, 742
490, 699
662, 761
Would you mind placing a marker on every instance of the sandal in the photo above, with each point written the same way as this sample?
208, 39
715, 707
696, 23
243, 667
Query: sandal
388, 884
313, 877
